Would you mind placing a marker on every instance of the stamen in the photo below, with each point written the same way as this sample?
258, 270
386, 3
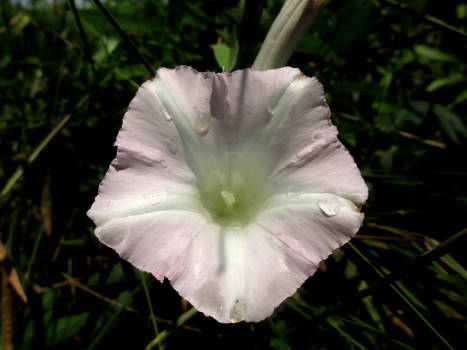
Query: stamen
229, 198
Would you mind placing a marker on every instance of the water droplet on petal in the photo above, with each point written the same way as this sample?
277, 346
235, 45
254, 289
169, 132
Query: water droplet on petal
166, 115
329, 208
317, 135
270, 110
202, 124
152, 198
238, 311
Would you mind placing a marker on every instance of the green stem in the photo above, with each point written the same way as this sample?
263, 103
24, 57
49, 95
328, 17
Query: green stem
110, 322
289, 27
87, 50
125, 37
19, 171
425, 258
142, 276
402, 296
167, 332
428, 18
33, 257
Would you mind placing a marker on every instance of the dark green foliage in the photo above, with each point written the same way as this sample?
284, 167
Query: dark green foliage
395, 78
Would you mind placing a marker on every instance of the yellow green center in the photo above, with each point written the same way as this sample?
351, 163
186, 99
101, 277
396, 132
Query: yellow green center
229, 198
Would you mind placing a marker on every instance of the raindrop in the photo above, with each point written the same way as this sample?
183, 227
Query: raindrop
152, 198
238, 311
317, 135
328, 208
166, 115
202, 124
270, 110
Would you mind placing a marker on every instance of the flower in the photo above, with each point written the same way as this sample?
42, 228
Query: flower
233, 186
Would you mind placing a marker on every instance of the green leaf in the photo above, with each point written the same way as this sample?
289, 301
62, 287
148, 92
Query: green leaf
440, 82
116, 275
460, 98
421, 107
107, 46
226, 54
461, 11
433, 54
351, 340
66, 327
279, 344
74, 242
451, 123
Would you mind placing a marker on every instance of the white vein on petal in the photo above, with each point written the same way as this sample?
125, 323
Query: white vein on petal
139, 206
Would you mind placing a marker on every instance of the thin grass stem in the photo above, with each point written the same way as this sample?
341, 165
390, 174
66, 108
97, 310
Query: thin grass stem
19, 171
402, 295
425, 258
110, 322
438, 22
125, 37
142, 276
33, 256
167, 332
87, 50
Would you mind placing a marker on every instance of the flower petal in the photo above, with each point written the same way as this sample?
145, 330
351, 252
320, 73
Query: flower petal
153, 241
311, 224
311, 159
279, 121
237, 274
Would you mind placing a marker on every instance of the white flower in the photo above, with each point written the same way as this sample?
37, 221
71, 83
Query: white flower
233, 186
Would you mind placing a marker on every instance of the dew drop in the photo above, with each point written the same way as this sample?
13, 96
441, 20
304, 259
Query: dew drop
152, 198
238, 311
317, 135
328, 208
166, 115
270, 110
202, 124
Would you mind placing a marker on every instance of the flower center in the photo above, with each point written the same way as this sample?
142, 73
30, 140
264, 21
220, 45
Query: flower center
229, 198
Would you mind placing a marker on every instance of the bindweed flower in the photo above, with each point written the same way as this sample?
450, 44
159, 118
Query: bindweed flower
233, 186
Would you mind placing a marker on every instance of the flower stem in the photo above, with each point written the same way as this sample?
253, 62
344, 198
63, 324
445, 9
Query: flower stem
289, 27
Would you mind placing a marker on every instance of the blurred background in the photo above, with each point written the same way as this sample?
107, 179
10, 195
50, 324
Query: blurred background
395, 76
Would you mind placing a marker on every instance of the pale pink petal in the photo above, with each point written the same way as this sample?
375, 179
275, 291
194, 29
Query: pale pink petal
279, 120
237, 274
311, 159
155, 242
312, 225
244, 99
